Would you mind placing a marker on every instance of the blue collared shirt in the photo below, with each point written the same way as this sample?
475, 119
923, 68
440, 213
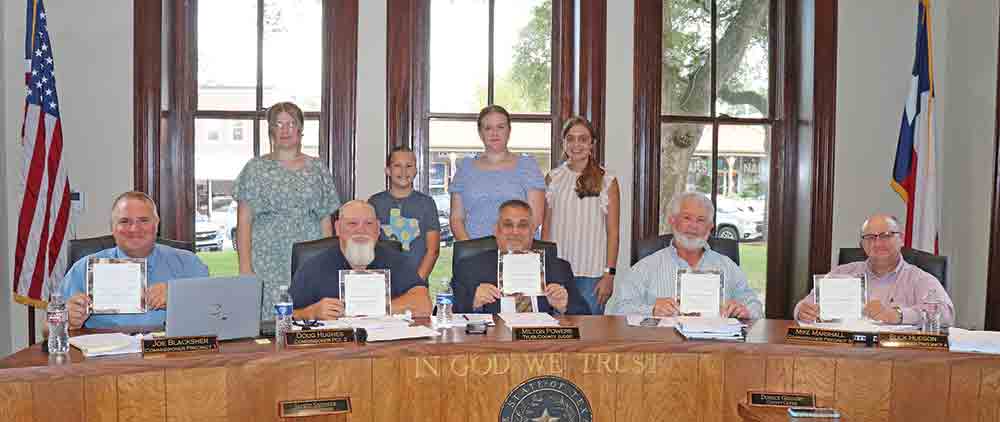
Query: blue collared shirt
654, 277
162, 265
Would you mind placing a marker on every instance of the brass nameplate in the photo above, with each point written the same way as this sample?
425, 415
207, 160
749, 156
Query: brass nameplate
316, 337
180, 344
546, 333
303, 408
819, 335
768, 398
914, 340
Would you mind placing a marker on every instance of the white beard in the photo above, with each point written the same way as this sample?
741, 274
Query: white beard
689, 242
360, 251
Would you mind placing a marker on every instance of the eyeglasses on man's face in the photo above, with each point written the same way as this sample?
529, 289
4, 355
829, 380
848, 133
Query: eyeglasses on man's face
870, 237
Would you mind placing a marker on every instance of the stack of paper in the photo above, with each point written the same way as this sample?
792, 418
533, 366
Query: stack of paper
960, 340
861, 326
368, 323
400, 333
702, 328
528, 319
107, 344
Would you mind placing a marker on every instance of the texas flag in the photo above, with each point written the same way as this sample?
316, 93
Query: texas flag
915, 173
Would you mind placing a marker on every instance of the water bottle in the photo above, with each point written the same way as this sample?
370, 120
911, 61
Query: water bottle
58, 322
930, 317
282, 316
445, 299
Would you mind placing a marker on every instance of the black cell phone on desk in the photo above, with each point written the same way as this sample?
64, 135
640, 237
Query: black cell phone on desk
813, 412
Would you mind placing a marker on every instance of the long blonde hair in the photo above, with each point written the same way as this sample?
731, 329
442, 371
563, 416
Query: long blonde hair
589, 182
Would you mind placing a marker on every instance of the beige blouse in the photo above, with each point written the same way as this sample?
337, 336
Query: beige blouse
579, 225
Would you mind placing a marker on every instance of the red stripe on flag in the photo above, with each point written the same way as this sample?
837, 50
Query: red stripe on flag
30, 201
61, 218
910, 184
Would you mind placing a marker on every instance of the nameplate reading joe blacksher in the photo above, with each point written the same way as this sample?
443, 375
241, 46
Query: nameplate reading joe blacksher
546, 333
779, 399
318, 337
305, 408
819, 335
180, 344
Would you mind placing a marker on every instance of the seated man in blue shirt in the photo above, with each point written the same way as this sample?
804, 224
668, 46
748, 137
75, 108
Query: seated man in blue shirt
315, 287
475, 278
649, 287
133, 224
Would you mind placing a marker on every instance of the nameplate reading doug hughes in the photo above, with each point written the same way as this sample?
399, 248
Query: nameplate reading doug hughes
546, 333
317, 337
180, 344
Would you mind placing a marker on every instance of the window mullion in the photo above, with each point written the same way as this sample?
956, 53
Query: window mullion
713, 53
492, 48
259, 87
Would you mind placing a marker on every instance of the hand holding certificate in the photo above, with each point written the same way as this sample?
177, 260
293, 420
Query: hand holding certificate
699, 292
840, 297
116, 285
365, 292
521, 272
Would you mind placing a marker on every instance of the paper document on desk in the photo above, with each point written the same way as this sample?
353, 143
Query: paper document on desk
709, 325
960, 340
368, 323
648, 321
400, 333
861, 326
107, 344
528, 319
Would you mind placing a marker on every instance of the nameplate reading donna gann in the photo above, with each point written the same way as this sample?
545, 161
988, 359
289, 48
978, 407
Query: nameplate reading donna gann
818, 335
180, 344
913, 340
317, 337
546, 333
303, 408
775, 399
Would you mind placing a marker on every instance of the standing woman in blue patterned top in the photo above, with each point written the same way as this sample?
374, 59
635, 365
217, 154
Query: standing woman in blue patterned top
496, 175
282, 198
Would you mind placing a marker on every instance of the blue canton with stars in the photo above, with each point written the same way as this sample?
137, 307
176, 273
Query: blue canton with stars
41, 80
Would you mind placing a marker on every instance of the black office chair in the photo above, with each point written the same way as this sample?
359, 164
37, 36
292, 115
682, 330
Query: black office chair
472, 247
646, 247
936, 265
302, 252
79, 248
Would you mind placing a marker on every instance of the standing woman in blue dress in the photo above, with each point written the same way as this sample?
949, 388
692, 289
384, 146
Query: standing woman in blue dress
496, 175
283, 198
582, 214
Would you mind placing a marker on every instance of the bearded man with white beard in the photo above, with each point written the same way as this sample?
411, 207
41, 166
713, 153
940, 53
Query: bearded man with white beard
315, 288
648, 289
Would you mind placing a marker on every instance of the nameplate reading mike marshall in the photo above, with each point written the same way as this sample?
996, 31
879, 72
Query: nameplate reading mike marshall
317, 337
778, 399
546, 333
913, 340
303, 408
819, 335
180, 344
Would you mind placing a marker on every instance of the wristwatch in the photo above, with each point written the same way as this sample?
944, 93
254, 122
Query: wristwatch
899, 313
609, 270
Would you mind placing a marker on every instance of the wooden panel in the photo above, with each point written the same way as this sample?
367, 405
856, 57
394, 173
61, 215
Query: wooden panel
599, 386
195, 395
742, 373
254, 390
339, 96
918, 391
631, 387
824, 136
989, 395
456, 387
386, 378
101, 396
713, 372
863, 389
671, 385
422, 390
142, 397
489, 384
780, 374
67, 407
349, 377
148, 81
15, 402
963, 399
524, 366
817, 376
646, 75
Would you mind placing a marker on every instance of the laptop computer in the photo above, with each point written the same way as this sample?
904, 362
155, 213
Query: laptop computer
228, 307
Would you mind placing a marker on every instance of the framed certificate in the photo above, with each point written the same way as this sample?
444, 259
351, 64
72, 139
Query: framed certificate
366, 292
699, 292
840, 296
116, 285
521, 272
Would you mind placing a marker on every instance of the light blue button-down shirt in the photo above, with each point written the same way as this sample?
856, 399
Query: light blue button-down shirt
654, 277
162, 265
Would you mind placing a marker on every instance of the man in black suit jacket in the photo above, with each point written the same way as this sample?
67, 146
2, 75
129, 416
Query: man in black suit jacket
475, 280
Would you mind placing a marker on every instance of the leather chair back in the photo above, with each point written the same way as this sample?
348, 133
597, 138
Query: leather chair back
302, 252
646, 247
79, 248
936, 265
472, 247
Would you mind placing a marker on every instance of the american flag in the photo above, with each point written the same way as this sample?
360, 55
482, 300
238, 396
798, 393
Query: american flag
42, 244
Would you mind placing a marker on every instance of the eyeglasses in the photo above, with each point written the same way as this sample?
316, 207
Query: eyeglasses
307, 324
870, 237
285, 125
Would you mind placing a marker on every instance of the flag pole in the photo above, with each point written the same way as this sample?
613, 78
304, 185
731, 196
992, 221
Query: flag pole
31, 326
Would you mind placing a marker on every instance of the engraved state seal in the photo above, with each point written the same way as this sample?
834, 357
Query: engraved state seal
546, 399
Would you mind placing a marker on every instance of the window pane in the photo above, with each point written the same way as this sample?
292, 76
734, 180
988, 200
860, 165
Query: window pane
744, 169
743, 58
459, 55
217, 163
686, 52
310, 138
523, 55
227, 55
293, 52
685, 163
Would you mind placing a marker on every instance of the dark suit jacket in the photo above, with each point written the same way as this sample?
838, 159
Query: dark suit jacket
482, 268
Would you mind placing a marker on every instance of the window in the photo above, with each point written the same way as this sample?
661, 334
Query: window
716, 117
237, 131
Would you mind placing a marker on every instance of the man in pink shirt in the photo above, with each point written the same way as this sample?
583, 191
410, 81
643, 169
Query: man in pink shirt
897, 290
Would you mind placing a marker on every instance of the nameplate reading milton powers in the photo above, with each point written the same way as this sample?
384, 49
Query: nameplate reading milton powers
819, 335
317, 337
775, 399
303, 408
180, 344
546, 333
914, 340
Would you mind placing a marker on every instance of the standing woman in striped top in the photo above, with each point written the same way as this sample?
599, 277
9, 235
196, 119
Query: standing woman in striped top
582, 208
